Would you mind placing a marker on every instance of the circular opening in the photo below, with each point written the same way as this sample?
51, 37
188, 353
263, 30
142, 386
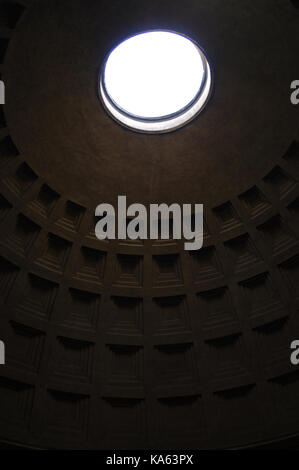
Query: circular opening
155, 81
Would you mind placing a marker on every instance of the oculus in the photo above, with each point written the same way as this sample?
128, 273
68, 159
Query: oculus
155, 82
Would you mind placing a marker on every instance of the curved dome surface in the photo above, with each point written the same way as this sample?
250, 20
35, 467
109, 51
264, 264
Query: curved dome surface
124, 344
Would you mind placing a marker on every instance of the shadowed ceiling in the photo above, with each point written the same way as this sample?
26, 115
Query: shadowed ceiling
130, 344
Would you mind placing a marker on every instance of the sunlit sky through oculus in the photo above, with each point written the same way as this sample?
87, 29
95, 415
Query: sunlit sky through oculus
154, 74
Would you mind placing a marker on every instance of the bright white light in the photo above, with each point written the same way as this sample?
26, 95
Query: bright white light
154, 74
